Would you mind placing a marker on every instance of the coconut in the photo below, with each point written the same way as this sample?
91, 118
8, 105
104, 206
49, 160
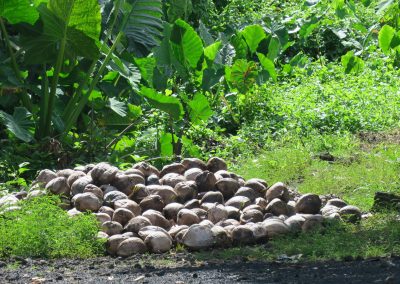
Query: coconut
154, 202
336, 202
95, 190
194, 203
172, 179
187, 217
78, 186
113, 242
227, 186
213, 197
136, 223
190, 163
139, 192
153, 180
350, 213
112, 196
146, 169
192, 173
157, 219
103, 173
166, 192
171, 211
221, 237
158, 242
198, 237
275, 227
185, 191
126, 183
45, 176
131, 246
102, 217
277, 207
215, 164
248, 192
277, 190
177, 168
128, 204
251, 215
74, 176
122, 216
242, 234
58, 186
111, 228
217, 213
258, 187
205, 181
308, 204
238, 202
108, 210
233, 212
87, 202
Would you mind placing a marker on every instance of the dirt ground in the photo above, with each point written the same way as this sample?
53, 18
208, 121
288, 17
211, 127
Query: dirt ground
185, 269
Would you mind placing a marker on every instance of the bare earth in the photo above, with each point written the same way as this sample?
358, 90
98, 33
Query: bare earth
185, 269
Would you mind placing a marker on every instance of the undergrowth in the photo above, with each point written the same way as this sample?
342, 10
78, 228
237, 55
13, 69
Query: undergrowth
42, 229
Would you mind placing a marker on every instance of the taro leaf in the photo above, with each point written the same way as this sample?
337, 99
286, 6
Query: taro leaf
166, 146
210, 52
179, 9
308, 27
253, 35
75, 21
205, 34
386, 35
211, 77
352, 63
143, 28
240, 46
243, 75
186, 44
273, 48
190, 148
17, 11
268, 65
146, 66
225, 55
19, 123
200, 109
168, 104
117, 106
127, 70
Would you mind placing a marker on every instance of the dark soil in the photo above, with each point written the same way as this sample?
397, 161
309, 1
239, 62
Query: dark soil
184, 269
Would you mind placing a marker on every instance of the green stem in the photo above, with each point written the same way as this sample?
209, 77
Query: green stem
68, 113
43, 104
54, 83
78, 109
26, 100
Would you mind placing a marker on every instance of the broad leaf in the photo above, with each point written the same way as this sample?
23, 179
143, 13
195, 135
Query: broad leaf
168, 104
253, 35
117, 106
242, 75
75, 21
179, 9
166, 146
273, 48
143, 27
308, 27
386, 35
268, 65
19, 123
200, 109
186, 44
210, 52
352, 63
17, 11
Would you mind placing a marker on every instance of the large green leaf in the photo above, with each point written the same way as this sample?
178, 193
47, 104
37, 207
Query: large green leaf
386, 35
117, 106
352, 63
242, 75
19, 123
168, 104
200, 109
179, 9
77, 22
210, 52
143, 27
17, 11
166, 146
268, 65
253, 35
186, 44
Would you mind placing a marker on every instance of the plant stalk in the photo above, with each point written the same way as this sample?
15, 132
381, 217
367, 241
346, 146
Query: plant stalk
26, 100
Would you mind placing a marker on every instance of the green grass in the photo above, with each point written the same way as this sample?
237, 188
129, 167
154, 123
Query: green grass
355, 175
42, 229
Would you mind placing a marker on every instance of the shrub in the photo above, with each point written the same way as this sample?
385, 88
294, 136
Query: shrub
42, 229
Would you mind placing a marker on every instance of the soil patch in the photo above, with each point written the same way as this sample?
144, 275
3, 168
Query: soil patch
184, 269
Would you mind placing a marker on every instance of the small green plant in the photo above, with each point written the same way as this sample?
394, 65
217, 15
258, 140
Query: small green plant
42, 229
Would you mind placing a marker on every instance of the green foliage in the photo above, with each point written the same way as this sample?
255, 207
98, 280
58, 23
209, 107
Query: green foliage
18, 123
42, 229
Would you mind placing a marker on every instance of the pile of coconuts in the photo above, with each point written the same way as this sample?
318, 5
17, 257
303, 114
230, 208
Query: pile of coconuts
192, 203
